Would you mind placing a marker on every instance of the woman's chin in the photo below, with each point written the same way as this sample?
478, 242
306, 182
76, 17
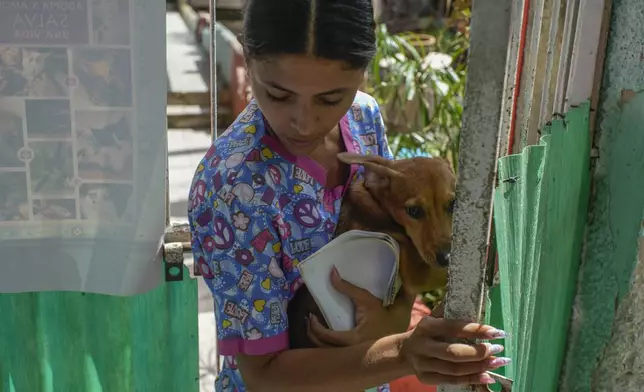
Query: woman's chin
301, 149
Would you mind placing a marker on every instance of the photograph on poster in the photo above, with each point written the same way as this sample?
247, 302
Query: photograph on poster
110, 22
48, 119
105, 202
44, 22
104, 145
52, 169
33, 72
14, 205
103, 77
11, 135
54, 209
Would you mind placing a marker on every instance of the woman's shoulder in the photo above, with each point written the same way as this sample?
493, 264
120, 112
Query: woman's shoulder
365, 99
366, 103
238, 146
366, 125
364, 115
229, 168
243, 135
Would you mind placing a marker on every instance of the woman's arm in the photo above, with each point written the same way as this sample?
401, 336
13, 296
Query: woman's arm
351, 369
422, 351
238, 247
355, 367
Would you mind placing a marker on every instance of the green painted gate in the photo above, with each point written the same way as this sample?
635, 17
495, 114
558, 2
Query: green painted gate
77, 342
81, 342
540, 211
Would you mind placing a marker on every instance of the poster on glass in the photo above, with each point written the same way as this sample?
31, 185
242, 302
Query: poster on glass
82, 157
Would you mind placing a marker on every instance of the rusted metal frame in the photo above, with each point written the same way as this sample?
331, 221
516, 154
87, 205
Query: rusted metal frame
483, 105
585, 52
507, 107
541, 51
587, 58
563, 71
581, 62
556, 39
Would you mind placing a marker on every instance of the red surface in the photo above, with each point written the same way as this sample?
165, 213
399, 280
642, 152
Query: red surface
411, 383
519, 72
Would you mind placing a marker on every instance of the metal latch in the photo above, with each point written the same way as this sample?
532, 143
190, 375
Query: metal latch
176, 241
173, 256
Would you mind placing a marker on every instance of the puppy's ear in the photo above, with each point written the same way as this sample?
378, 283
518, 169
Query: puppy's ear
448, 163
378, 170
353, 158
376, 181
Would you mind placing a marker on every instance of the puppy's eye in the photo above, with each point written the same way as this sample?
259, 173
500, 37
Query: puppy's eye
450, 206
415, 212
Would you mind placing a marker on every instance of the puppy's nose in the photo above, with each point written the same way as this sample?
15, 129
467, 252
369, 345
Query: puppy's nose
442, 259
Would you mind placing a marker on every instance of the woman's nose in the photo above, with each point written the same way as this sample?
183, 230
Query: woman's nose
303, 121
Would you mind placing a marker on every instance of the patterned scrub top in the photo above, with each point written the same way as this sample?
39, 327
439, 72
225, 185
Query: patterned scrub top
255, 211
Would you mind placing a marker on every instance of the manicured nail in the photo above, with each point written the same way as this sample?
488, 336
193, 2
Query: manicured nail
499, 362
496, 334
496, 348
487, 379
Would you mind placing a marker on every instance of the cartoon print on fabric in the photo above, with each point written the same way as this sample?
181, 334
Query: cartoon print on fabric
255, 211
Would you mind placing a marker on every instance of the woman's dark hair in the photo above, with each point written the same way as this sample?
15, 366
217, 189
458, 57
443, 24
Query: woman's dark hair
331, 29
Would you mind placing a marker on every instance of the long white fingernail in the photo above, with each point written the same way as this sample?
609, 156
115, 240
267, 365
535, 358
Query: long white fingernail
487, 379
500, 362
496, 333
496, 348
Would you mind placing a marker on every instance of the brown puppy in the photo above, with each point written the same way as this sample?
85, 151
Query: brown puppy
409, 199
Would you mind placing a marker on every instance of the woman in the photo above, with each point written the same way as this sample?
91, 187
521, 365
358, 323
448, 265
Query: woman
268, 193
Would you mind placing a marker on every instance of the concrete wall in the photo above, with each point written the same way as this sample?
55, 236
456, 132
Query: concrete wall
606, 343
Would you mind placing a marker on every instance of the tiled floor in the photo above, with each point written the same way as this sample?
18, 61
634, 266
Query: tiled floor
185, 148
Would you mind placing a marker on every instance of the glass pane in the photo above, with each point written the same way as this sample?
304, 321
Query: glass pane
82, 145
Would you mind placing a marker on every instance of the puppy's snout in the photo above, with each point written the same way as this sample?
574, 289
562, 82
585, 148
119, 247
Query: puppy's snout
442, 258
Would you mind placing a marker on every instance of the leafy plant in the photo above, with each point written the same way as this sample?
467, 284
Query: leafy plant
419, 79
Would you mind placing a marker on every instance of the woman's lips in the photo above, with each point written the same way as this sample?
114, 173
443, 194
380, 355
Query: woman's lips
300, 143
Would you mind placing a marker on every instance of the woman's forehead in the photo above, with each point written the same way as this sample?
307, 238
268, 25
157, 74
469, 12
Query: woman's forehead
305, 74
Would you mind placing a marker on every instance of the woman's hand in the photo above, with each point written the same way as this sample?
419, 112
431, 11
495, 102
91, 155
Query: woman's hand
436, 361
373, 321
439, 310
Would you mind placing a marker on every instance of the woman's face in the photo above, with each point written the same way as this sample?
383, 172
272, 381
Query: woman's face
303, 98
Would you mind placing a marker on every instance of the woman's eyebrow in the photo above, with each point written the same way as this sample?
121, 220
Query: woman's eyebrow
278, 87
334, 91
330, 92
